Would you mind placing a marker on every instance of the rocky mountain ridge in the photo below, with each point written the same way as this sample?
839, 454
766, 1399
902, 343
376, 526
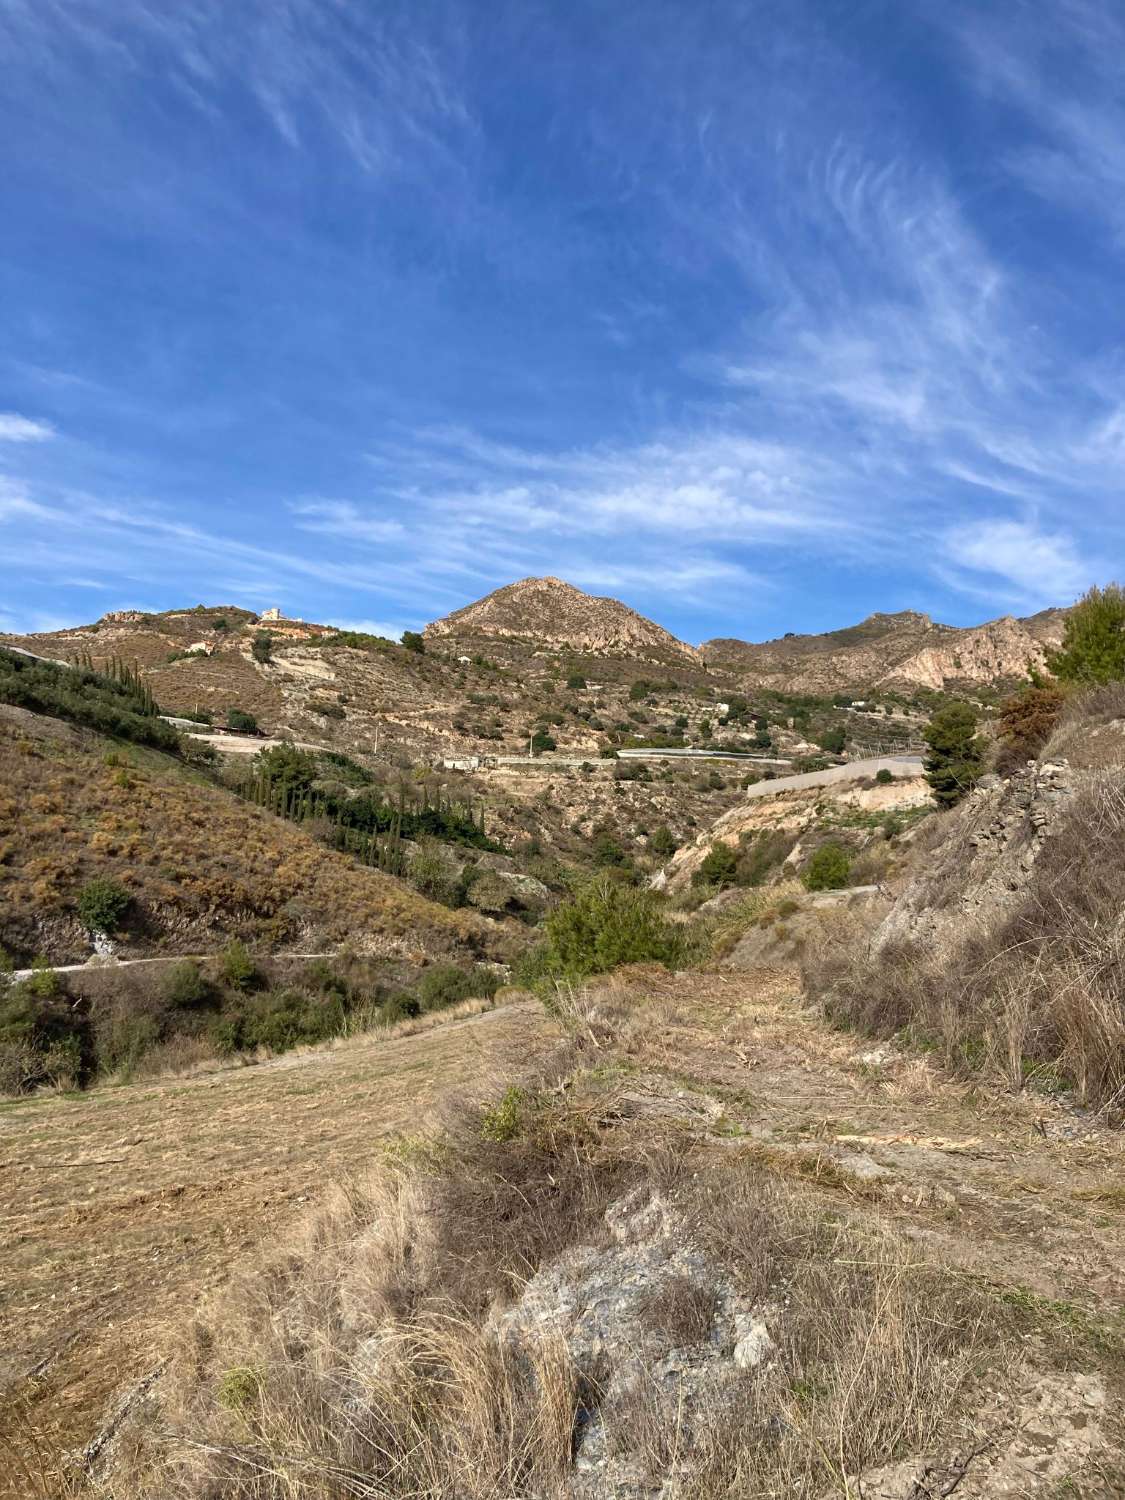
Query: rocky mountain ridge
552, 612
907, 650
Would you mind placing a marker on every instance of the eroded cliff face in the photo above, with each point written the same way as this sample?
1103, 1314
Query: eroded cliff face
906, 650
552, 612
985, 862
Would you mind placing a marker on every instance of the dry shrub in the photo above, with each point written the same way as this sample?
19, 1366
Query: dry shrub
680, 1311
1040, 993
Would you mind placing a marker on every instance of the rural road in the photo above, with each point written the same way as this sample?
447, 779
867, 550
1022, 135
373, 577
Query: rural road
98, 962
855, 770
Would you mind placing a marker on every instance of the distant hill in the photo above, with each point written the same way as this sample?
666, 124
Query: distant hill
905, 651
549, 612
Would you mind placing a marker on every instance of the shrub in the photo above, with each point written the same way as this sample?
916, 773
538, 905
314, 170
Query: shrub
1026, 722
240, 722
883, 777
576, 682
401, 1007
261, 648
828, 869
760, 856
956, 757
833, 740
102, 903
662, 843
1093, 647
287, 767
184, 985
608, 852
605, 925
238, 968
719, 868
541, 741
413, 641
431, 871
446, 984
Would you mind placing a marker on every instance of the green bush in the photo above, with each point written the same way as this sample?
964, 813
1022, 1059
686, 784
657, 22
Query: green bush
400, 1007
607, 924
883, 777
413, 641
240, 722
662, 843
576, 682
261, 648
102, 903
238, 968
446, 984
719, 868
828, 869
184, 985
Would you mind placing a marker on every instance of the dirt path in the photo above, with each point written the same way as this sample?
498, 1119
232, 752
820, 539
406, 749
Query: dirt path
1023, 1189
122, 1208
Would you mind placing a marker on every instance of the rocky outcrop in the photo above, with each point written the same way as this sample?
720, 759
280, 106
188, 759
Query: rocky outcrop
656, 1324
906, 650
549, 612
987, 859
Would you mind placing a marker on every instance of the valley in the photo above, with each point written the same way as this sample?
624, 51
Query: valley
351, 1052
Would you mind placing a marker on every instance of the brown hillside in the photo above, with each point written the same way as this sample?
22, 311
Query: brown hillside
904, 651
202, 865
552, 612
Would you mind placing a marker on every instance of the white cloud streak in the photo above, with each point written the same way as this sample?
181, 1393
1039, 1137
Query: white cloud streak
17, 429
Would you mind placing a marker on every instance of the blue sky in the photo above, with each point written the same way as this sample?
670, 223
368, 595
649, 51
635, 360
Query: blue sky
758, 314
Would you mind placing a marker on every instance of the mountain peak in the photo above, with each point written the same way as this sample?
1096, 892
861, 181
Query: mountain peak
555, 613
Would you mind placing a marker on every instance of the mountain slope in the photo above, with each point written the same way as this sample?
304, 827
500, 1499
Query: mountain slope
906, 650
554, 613
201, 865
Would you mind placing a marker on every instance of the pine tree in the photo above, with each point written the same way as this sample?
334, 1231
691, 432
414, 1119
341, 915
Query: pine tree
1093, 647
956, 757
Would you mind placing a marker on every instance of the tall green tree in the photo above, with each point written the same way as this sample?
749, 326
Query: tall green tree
1093, 647
956, 759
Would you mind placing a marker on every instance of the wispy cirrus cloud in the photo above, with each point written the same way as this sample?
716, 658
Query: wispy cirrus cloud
460, 305
17, 429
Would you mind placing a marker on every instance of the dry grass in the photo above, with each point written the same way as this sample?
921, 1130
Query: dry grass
1088, 733
362, 1359
1041, 995
202, 865
123, 1206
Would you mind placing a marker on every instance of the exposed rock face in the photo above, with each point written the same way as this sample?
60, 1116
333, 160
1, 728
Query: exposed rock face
599, 1302
550, 612
906, 650
986, 862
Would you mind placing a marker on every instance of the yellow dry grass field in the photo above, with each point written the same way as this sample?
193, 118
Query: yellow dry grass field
122, 1209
